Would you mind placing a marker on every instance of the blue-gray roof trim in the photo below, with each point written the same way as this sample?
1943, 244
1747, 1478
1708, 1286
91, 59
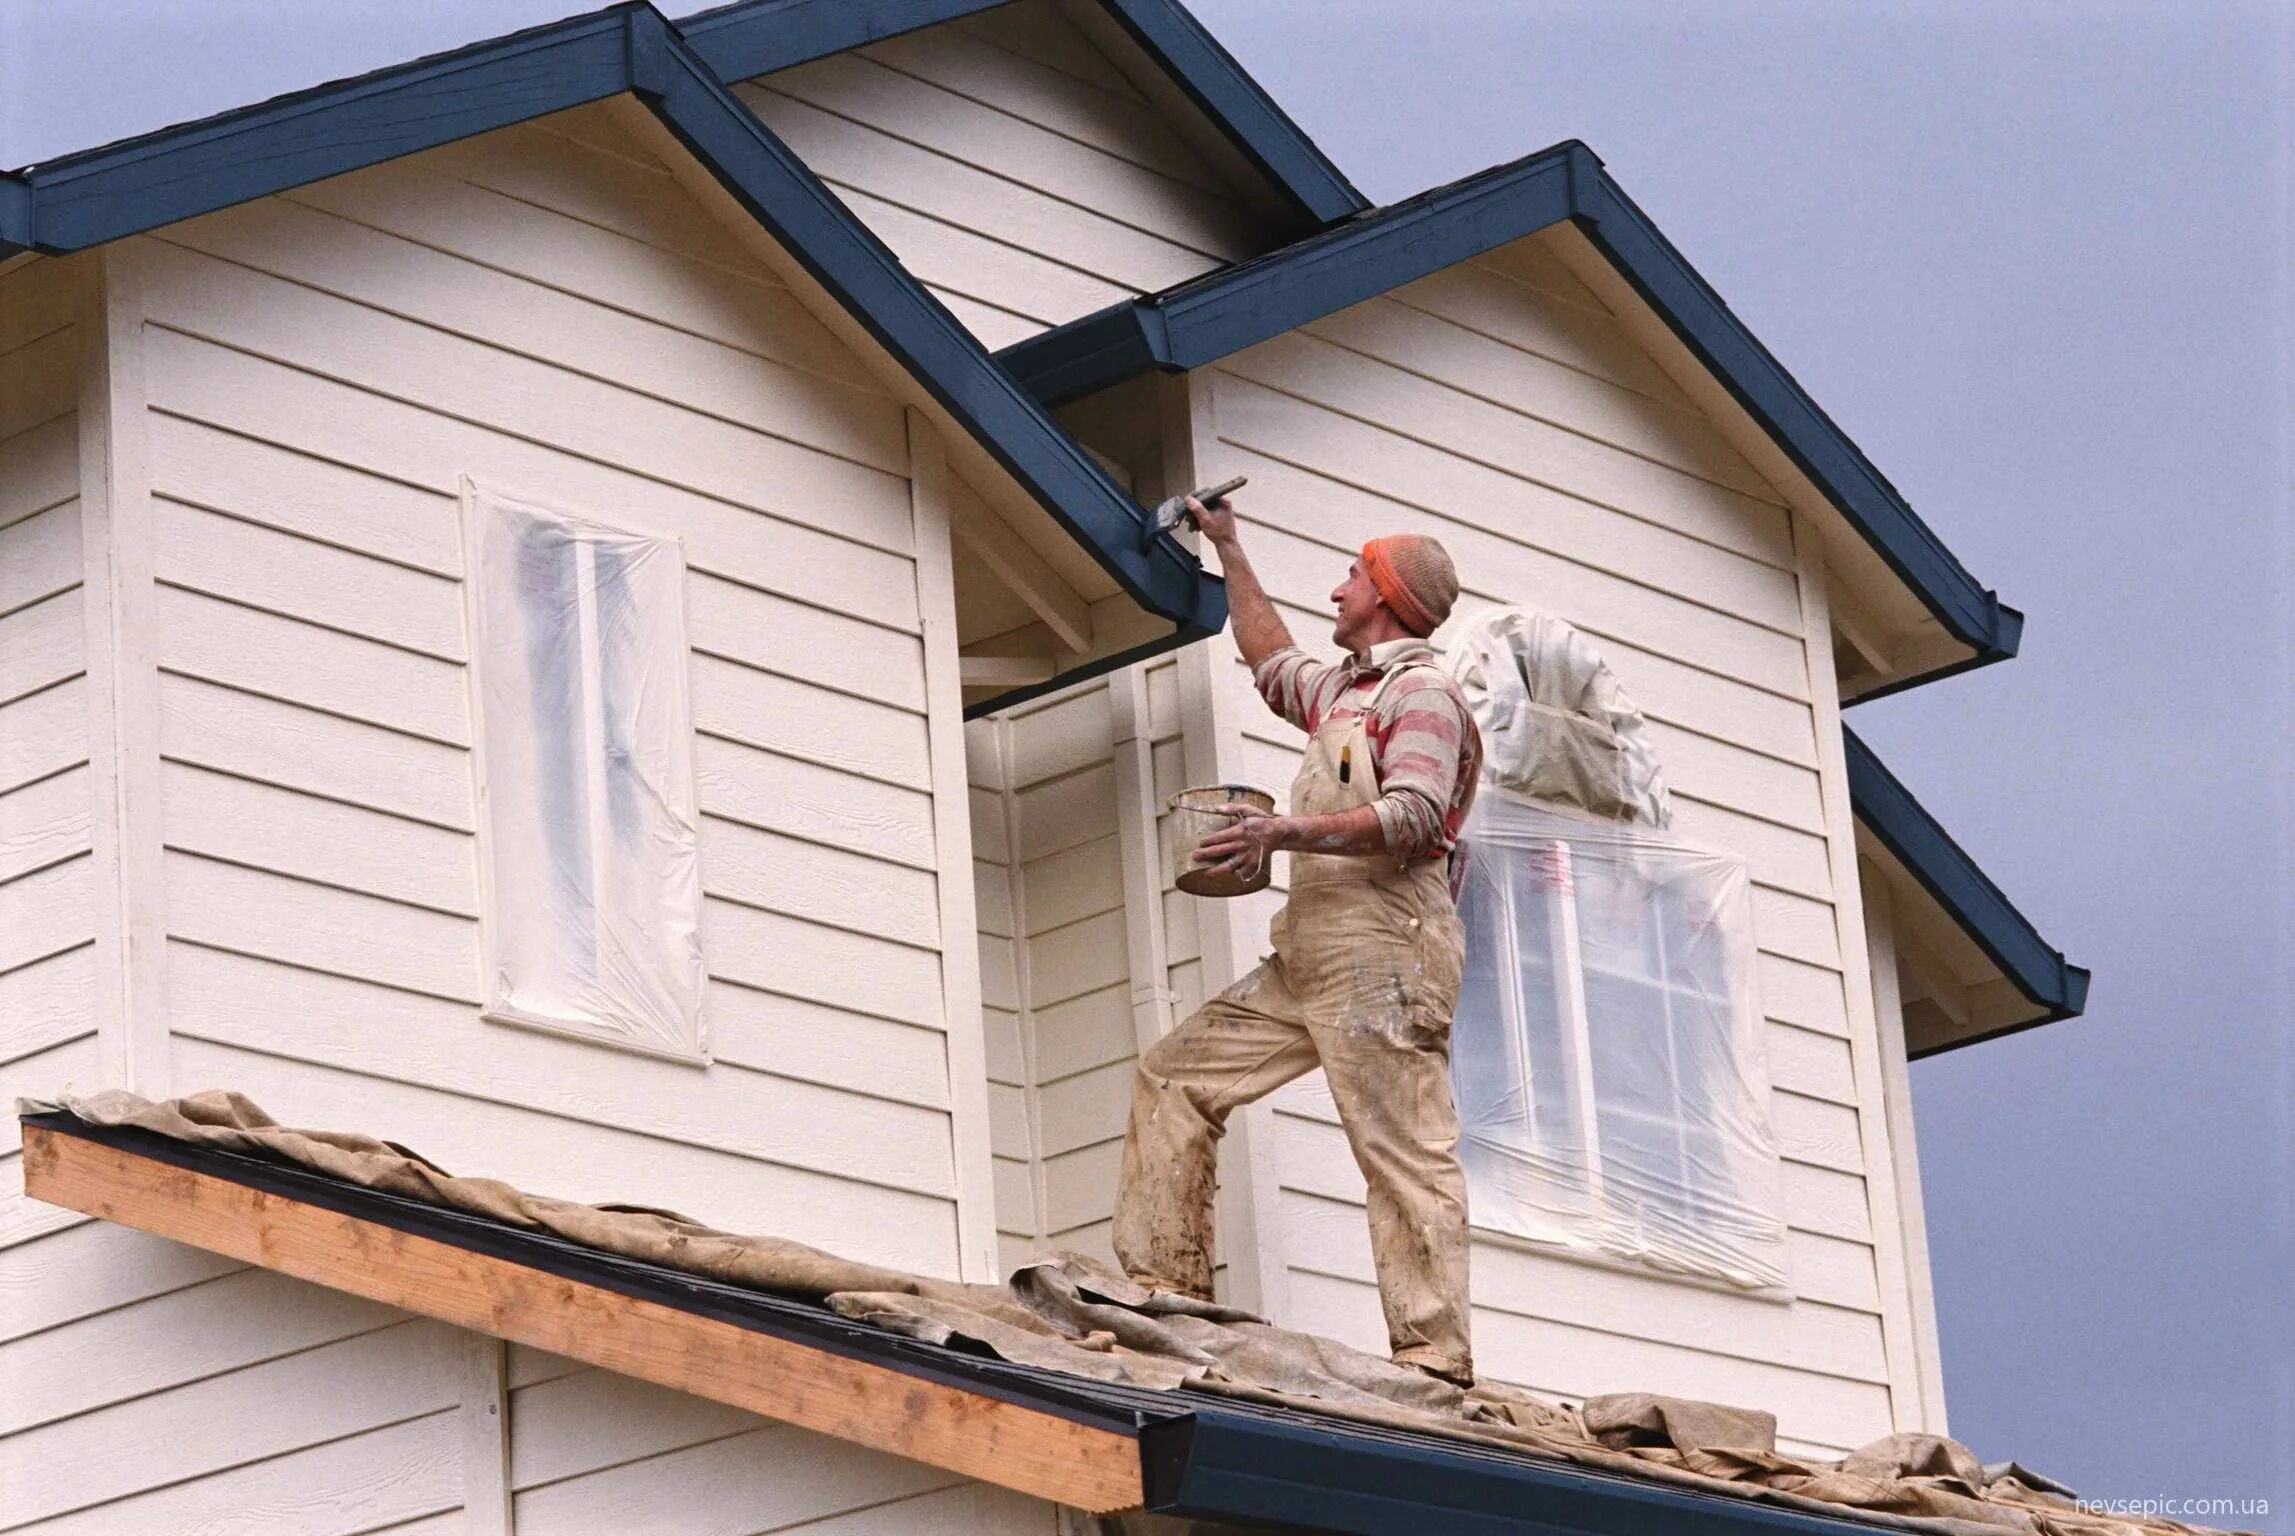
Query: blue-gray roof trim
756, 37
1223, 312
123, 189
2039, 972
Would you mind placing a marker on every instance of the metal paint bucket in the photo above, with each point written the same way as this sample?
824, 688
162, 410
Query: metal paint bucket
1193, 820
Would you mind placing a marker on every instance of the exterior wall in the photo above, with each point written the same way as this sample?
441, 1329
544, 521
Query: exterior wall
48, 880
1010, 166
1499, 406
300, 383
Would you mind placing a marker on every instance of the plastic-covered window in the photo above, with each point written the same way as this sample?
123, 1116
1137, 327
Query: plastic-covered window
589, 839
1606, 1054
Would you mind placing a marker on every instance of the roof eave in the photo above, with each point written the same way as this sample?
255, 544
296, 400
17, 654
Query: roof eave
2054, 987
1223, 312
158, 179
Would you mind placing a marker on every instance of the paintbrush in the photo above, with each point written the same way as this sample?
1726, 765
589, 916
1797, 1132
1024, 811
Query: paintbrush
1172, 510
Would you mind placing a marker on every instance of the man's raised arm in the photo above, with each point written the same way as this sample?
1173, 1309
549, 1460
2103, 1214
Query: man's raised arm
1259, 630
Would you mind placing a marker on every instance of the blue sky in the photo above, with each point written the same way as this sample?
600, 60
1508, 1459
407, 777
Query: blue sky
2034, 257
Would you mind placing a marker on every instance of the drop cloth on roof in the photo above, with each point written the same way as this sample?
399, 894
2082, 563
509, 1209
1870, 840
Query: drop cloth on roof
1072, 1315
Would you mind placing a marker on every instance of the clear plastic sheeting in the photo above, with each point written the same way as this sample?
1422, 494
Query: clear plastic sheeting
1606, 1054
589, 835
1555, 724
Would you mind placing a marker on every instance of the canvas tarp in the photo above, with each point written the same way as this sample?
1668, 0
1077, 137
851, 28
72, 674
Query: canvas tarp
1070, 1314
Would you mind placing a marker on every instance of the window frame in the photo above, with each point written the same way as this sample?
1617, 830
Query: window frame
478, 501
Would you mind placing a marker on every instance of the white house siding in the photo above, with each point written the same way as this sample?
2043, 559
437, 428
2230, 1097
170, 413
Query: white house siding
542, 310
592, 1452
1052, 812
1009, 166
1498, 406
48, 886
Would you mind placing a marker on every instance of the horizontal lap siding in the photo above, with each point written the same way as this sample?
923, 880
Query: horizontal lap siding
1498, 407
1010, 168
543, 311
49, 883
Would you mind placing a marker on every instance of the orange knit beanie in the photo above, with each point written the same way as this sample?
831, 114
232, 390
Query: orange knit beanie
1415, 579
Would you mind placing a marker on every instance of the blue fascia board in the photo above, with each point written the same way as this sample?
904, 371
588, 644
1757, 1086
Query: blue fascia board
1978, 907
1299, 1473
124, 189
757, 37
179, 173
1225, 92
1223, 312
856, 268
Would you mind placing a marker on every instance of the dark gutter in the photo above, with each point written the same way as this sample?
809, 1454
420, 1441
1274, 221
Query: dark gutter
1263, 132
1979, 908
1299, 1471
1201, 1456
1214, 316
144, 183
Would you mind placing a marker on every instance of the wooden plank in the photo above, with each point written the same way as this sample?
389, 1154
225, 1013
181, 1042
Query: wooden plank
814, 644
856, 1400
379, 271
1368, 390
419, 200
1490, 304
332, 1022
1037, 30
295, 662
761, 1480
384, 1479
38, 380
595, 1160
317, 583
853, 891
995, 140
1330, 1236
39, 468
43, 733
42, 644
272, 741
38, 297
238, 1320
47, 1002
787, 795
1083, 1110
39, 556
269, 1409
825, 965
786, 716
91, 1269
1075, 883
1507, 376
44, 823
868, 160
327, 842
775, 547
1109, 120
1082, 957
586, 1421
47, 912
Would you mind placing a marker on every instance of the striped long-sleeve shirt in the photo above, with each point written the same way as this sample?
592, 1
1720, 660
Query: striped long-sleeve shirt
1424, 745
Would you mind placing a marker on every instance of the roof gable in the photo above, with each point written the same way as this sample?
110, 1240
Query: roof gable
2049, 988
1214, 316
757, 37
162, 178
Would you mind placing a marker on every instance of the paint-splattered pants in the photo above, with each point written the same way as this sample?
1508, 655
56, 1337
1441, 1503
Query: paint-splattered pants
1365, 992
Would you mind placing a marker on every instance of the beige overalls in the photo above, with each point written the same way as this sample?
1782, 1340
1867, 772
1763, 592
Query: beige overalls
1362, 983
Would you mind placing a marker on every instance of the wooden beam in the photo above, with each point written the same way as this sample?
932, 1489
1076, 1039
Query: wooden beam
1005, 671
971, 1434
994, 544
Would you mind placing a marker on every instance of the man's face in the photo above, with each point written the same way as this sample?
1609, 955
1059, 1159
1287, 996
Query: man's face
1357, 600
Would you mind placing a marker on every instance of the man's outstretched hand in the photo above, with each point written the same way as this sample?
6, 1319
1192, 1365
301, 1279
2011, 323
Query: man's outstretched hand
1215, 521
